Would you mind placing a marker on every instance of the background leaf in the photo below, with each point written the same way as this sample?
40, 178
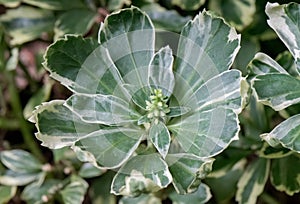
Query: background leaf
22, 28
285, 174
253, 180
286, 134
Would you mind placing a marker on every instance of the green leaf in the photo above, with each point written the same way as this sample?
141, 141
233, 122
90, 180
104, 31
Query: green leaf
253, 180
20, 161
223, 90
239, 13
285, 174
82, 65
7, 193
188, 4
55, 4
88, 170
161, 71
160, 137
74, 192
141, 174
23, 28
110, 147
99, 190
178, 111
103, 109
58, 126
36, 193
13, 178
286, 134
202, 195
36, 99
164, 19
223, 182
262, 64
75, 21
206, 43
130, 43
144, 198
187, 170
283, 19
277, 90
273, 152
117, 4
207, 133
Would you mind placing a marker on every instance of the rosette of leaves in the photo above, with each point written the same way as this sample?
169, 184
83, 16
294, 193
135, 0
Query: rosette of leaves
277, 85
155, 117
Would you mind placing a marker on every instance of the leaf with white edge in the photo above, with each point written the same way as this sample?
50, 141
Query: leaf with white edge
207, 133
129, 37
207, 47
36, 99
187, 171
223, 182
113, 5
88, 170
144, 198
286, 134
12, 178
103, 109
238, 13
277, 90
7, 193
75, 21
263, 64
82, 65
253, 180
188, 4
58, 126
24, 28
74, 192
178, 111
20, 161
202, 195
111, 147
284, 20
165, 19
56, 4
285, 174
36, 193
223, 90
270, 152
160, 137
141, 174
161, 71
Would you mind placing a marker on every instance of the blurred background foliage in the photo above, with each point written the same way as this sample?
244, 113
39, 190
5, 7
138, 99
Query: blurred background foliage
27, 27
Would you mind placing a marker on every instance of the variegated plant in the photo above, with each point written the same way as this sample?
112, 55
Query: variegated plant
278, 87
155, 117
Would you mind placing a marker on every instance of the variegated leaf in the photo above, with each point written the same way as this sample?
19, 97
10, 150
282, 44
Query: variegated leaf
150, 175
286, 134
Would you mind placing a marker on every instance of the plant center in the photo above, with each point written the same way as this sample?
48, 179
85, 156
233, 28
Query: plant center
157, 107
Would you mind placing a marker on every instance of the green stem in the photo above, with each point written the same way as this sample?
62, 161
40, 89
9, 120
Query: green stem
268, 199
24, 126
9, 124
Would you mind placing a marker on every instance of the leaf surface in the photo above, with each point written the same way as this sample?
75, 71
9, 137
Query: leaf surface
187, 170
286, 134
160, 137
252, 182
141, 174
285, 174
